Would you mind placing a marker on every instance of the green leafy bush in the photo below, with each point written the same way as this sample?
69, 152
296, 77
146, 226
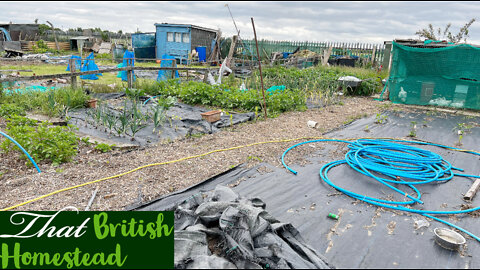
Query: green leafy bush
43, 142
8, 110
219, 96
317, 79
40, 47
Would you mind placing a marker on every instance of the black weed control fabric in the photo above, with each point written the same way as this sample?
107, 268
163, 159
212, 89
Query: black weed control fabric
366, 236
185, 120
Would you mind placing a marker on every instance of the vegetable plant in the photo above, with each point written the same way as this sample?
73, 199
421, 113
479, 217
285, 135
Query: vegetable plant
413, 127
103, 147
136, 125
57, 144
158, 116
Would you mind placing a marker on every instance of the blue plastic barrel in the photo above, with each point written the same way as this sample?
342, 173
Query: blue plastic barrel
202, 53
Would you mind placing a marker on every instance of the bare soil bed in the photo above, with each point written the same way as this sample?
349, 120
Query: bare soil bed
20, 183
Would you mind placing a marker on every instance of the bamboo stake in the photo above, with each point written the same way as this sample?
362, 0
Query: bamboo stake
260, 68
91, 200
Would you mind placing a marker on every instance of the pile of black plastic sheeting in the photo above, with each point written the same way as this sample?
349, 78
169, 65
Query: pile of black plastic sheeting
219, 229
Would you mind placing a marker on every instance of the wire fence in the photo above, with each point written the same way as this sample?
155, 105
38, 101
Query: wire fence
364, 51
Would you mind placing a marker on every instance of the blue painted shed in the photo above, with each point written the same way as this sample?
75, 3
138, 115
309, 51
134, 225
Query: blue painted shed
180, 39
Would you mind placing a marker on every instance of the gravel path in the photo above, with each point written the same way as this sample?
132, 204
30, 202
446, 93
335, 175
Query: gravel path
20, 183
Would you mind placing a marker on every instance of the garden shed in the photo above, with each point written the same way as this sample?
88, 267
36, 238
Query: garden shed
20, 32
180, 39
435, 73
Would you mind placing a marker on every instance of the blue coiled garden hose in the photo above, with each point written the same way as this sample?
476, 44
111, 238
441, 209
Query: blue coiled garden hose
23, 150
390, 163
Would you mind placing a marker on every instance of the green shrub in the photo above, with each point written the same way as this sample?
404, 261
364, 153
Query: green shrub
43, 142
8, 110
220, 96
317, 79
40, 47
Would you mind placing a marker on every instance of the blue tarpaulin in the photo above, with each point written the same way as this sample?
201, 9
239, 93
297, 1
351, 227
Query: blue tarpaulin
78, 62
128, 60
5, 32
166, 74
33, 88
89, 65
275, 88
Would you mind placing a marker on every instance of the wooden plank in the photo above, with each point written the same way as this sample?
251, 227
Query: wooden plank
326, 55
16, 70
472, 191
54, 35
230, 53
64, 75
372, 58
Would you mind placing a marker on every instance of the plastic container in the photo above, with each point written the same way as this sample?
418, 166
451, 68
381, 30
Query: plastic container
448, 239
92, 103
212, 116
346, 62
202, 53
312, 124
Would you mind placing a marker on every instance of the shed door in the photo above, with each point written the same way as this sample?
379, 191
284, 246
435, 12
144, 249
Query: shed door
161, 43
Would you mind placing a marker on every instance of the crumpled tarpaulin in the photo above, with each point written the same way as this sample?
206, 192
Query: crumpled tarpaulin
89, 65
78, 62
166, 74
128, 60
219, 229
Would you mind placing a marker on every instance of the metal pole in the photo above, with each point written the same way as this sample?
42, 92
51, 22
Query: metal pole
260, 68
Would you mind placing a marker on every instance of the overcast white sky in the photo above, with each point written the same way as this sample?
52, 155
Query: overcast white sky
372, 22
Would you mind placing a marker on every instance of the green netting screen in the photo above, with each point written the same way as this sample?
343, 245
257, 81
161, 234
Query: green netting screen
448, 76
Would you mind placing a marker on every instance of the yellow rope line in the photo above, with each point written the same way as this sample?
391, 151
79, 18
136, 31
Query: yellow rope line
149, 165
192, 157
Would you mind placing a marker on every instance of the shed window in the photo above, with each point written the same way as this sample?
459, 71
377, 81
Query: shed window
186, 38
178, 37
169, 36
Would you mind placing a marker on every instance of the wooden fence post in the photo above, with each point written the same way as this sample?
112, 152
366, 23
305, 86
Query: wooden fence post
173, 66
326, 56
373, 55
73, 70
129, 74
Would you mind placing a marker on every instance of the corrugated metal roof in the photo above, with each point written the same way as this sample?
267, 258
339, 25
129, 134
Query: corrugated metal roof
81, 37
186, 25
